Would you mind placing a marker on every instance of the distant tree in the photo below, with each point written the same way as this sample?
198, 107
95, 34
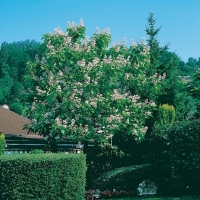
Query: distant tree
156, 52
194, 86
4, 67
16, 107
163, 61
13, 59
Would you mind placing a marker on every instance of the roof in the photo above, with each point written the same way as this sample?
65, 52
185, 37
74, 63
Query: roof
12, 123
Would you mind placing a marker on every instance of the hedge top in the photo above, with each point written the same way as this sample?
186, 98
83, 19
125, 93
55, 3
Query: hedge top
38, 157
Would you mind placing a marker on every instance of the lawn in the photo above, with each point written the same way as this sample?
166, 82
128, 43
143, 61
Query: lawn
160, 198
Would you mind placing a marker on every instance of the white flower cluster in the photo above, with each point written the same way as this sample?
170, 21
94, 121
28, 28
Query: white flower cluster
76, 100
60, 122
77, 91
94, 62
116, 46
122, 61
93, 42
87, 79
76, 47
134, 98
94, 100
143, 130
158, 78
127, 75
147, 113
126, 111
145, 50
93, 104
59, 89
143, 42
58, 32
124, 41
104, 31
33, 106
60, 73
150, 103
67, 40
81, 22
51, 48
107, 60
39, 91
116, 117
71, 25
133, 43
52, 80
116, 95
81, 63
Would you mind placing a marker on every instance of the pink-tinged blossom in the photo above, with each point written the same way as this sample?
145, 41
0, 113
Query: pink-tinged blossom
81, 22
93, 104
81, 63
116, 95
58, 31
144, 130
39, 91
124, 41
134, 98
133, 43
97, 30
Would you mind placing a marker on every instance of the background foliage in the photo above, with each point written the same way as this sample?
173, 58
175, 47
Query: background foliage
174, 153
2, 143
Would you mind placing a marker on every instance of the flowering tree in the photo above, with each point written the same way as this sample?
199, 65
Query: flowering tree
84, 90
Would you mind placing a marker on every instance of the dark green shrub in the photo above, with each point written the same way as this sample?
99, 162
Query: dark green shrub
2, 143
16, 107
42, 176
36, 151
124, 178
101, 159
175, 155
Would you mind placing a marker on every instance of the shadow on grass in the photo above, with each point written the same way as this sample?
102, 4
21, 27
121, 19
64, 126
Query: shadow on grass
160, 198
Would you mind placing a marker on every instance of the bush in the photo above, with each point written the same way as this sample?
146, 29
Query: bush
101, 159
124, 178
42, 176
175, 154
2, 143
16, 107
36, 151
166, 114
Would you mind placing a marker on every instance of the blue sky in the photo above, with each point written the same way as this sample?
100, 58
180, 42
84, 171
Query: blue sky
180, 20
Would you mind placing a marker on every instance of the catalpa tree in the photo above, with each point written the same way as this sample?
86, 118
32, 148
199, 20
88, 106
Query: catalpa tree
84, 90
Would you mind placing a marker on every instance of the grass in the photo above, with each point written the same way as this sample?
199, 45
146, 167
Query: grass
123, 178
160, 198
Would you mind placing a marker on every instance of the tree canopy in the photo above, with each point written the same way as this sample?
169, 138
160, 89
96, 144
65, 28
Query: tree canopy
84, 90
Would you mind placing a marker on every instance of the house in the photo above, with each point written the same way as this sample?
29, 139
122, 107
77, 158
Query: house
19, 141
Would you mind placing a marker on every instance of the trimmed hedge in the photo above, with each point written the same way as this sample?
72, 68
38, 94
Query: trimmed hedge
124, 178
175, 154
42, 176
2, 143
